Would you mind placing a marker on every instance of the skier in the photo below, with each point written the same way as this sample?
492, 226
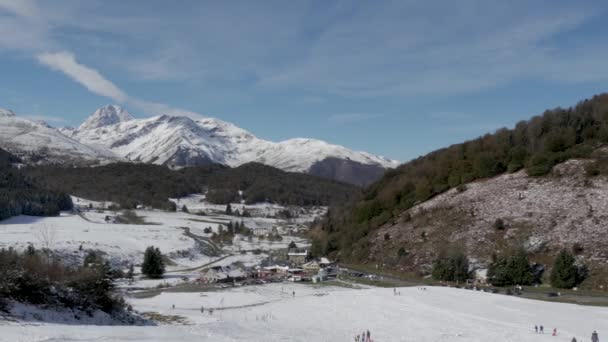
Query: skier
554, 332
542, 329
202, 309
536, 329
595, 337
368, 336
363, 336
394, 292
210, 312
173, 306
573, 339
294, 294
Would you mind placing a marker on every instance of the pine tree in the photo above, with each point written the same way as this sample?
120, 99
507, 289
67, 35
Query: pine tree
565, 273
228, 209
512, 269
153, 265
453, 267
185, 209
131, 272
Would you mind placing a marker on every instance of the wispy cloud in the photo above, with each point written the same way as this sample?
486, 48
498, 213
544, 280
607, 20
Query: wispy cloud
26, 29
349, 118
96, 83
379, 49
90, 78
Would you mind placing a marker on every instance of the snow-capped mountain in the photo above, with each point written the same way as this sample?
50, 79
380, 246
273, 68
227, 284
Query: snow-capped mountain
112, 134
181, 141
105, 116
39, 142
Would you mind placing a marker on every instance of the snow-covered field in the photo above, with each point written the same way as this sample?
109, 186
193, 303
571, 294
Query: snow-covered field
73, 234
267, 312
270, 313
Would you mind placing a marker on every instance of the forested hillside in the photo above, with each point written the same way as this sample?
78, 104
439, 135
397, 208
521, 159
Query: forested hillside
131, 184
19, 195
535, 145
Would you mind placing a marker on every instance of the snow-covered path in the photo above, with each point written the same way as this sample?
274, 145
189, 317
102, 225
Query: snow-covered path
270, 313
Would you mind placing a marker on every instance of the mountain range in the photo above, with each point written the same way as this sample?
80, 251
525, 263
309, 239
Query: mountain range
112, 134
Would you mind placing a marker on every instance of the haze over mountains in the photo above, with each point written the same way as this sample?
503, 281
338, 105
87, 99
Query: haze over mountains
113, 134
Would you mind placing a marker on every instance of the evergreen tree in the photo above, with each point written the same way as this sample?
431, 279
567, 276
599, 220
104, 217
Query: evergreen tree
451, 267
131, 272
228, 209
511, 269
185, 209
292, 245
565, 273
153, 265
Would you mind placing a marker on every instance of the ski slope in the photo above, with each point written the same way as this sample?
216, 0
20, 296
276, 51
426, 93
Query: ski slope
270, 313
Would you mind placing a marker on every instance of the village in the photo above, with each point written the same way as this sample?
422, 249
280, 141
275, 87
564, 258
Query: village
297, 266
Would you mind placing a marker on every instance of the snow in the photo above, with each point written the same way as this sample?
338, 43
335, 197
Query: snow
23, 137
105, 116
122, 242
181, 141
270, 313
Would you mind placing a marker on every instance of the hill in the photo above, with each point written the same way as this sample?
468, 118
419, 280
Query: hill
451, 198
131, 184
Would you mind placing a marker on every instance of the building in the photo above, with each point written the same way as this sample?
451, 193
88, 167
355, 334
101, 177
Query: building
223, 274
297, 256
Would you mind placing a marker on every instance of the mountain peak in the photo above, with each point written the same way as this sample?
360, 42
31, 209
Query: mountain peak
6, 112
105, 116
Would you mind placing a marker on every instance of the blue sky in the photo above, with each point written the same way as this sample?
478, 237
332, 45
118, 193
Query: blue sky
395, 78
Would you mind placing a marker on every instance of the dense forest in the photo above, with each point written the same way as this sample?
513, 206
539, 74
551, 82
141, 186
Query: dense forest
535, 145
131, 184
19, 195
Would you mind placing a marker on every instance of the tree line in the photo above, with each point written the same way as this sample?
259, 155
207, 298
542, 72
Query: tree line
130, 184
510, 269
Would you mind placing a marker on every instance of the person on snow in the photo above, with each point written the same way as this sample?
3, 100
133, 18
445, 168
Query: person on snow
595, 337
536, 329
202, 309
573, 339
368, 336
554, 332
542, 329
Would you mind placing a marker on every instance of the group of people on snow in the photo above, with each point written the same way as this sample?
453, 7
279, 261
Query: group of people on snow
541, 330
364, 337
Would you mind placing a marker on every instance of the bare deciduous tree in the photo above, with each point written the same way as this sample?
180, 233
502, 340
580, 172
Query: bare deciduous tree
46, 235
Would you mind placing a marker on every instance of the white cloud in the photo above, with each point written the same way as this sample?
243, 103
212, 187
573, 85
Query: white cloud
96, 83
90, 78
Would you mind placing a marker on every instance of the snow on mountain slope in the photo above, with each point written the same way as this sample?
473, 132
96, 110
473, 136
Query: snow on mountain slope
181, 141
37, 141
161, 139
104, 116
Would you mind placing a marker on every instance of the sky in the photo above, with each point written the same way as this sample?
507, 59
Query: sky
393, 78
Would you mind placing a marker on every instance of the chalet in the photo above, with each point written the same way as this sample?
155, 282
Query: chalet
317, 264
223, 274
297, 256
